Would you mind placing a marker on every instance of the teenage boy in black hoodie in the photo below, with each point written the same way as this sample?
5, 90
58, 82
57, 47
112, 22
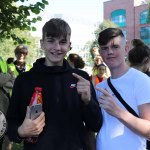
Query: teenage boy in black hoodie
69, 100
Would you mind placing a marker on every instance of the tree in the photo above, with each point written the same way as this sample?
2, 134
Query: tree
105, 24
13, 16
7, 46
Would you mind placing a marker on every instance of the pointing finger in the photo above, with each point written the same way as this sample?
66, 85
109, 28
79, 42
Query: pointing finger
78, 77
104, 91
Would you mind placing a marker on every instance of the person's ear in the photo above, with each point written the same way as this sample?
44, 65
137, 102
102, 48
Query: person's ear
145, 60
126, 49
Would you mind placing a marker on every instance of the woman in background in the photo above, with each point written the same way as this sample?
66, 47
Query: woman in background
139, 56
97, 61
100, 76
75, 61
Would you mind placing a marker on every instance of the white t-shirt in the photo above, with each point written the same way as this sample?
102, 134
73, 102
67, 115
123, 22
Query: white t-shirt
134, 87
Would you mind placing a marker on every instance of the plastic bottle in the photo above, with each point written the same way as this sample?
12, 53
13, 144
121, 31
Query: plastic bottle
36, 99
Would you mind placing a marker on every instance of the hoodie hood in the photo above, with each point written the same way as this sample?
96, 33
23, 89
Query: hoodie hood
39, 66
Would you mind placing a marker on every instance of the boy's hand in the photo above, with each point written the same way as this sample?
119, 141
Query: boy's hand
108, 103
83, 88
30, 127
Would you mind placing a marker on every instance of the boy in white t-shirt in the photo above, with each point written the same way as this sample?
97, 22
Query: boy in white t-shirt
121, 130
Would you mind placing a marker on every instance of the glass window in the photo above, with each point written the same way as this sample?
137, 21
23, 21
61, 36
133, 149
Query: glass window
145, 34
144, 17
119, 17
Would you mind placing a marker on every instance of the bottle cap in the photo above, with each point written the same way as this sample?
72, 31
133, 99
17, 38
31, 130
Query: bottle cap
38, 89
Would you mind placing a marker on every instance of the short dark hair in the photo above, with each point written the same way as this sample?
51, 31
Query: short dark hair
106, 35
102, 65
56, 27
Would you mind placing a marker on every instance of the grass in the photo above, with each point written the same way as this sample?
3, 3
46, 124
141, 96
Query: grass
17, 146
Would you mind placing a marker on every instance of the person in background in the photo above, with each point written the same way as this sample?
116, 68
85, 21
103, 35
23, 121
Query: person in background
69, 100
20, 64
6, 84
97, 61
121, 130
75, 61
17, 67
100, 76
139, 58
95, 52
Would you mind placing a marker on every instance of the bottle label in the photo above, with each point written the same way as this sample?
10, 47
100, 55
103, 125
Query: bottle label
36, 97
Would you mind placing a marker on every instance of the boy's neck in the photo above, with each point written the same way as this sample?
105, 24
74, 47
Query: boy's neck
118, 72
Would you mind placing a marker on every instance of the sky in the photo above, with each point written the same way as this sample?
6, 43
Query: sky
82, 15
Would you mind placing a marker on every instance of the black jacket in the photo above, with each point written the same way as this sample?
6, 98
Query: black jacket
148, 73
64, 110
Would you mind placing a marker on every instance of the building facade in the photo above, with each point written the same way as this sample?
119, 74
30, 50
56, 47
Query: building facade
131, 16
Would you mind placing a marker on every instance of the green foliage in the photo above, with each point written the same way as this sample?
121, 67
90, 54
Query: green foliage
17, 146
91, 44
105, 24
7, 46
12, 17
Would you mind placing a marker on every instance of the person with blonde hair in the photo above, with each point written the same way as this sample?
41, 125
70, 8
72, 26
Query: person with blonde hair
20, 65
17, 67
97, 61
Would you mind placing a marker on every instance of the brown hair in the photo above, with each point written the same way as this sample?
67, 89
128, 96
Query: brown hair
139, 53
76, 60
106, 35
56, 27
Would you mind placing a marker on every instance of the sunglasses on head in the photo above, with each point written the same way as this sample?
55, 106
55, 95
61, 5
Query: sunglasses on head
19, 53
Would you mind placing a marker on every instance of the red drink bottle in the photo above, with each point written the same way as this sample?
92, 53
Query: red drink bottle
35, 100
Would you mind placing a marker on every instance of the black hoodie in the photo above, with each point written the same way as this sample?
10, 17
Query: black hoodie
65, 112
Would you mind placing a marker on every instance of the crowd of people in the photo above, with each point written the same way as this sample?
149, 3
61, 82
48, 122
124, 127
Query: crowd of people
79, 111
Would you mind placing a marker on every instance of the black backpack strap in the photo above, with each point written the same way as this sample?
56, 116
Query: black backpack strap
121, 99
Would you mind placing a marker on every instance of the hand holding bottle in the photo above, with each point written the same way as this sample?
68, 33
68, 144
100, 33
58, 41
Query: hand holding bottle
35, 119
31, 128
